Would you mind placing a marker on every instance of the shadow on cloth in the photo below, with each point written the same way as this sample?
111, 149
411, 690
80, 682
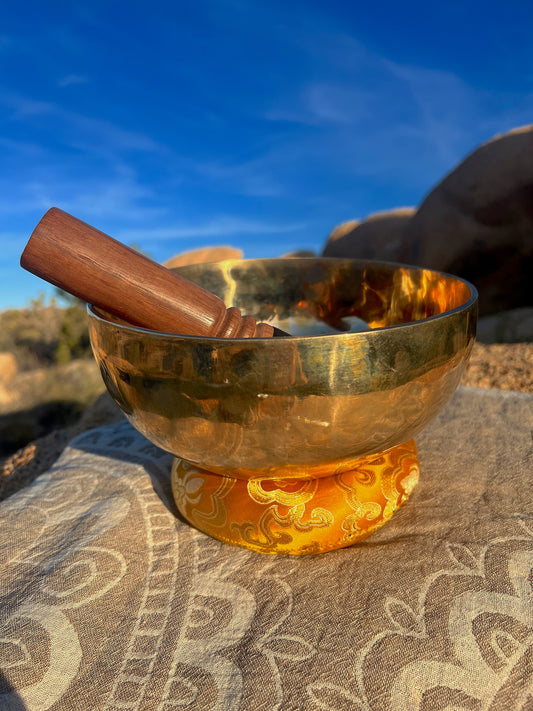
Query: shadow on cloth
123, 443
10, 700
19, 428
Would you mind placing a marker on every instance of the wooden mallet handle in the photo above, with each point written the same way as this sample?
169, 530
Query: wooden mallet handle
96, 268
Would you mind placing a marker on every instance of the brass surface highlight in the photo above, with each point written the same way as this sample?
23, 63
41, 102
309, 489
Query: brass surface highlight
303, 407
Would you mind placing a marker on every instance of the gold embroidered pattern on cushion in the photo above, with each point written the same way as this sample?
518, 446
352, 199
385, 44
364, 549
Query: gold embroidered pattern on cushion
376, 489
297, 516
285, 502
190, 486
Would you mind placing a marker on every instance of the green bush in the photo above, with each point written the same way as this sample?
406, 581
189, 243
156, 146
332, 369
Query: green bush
73, 335
45, 333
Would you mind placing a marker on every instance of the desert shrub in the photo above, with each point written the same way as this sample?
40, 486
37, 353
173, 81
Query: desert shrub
45, 333
56, 380
73, 340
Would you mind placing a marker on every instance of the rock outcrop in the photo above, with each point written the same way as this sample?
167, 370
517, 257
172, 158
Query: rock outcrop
380, 236
203, 256
476, 223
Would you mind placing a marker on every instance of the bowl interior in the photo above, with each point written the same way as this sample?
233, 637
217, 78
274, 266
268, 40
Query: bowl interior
381, 294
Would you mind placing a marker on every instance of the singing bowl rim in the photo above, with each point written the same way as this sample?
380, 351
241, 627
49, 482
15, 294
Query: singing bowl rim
98, 314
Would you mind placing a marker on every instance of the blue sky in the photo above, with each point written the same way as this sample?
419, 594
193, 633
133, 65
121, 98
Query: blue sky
176, 125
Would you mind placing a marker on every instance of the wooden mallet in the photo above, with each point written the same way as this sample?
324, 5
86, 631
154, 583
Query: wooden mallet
96, 268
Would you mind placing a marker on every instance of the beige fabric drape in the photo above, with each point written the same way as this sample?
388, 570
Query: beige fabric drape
109, 601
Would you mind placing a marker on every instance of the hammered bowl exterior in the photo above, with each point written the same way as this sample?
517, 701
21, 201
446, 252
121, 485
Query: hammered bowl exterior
307, 406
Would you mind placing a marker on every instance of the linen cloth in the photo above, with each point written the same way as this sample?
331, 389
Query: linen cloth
109, 601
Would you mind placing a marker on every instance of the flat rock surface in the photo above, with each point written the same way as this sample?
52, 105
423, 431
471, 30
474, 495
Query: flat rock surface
506, 366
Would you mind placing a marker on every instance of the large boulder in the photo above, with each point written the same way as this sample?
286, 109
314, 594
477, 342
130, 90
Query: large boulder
380, 236
298, 254
512, 326
478, 223
203, 256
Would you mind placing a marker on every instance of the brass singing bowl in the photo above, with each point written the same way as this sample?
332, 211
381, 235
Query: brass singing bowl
307, 406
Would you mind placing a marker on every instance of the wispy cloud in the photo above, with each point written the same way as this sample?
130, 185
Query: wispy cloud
80, 130
116, 196
71, 79
24, 107
434, 107
251, 177
84, 165
222, 226
28, 149
444, 108
121, 198
11, 247
323, 103
6, 42
361, 114
88, 132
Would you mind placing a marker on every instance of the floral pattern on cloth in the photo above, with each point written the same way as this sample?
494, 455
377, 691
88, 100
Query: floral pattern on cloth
109, 600
468, 644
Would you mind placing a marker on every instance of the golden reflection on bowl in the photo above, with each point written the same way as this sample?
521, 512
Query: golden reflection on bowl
308, 406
